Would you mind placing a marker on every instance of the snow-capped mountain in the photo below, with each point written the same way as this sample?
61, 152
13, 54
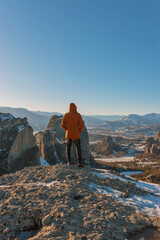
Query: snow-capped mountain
39, 119
148, 119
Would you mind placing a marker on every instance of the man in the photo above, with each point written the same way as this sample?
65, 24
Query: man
73, 124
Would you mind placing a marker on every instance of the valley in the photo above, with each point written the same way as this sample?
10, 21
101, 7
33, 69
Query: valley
115, 196
126, 152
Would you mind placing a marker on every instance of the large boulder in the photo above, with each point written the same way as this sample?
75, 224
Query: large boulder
106, 147
17, 144
45, 143
158, 137
150, 141
152, 146
52, 144
154, 151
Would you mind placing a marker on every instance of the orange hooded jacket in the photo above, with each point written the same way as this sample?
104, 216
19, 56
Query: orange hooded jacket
72, 123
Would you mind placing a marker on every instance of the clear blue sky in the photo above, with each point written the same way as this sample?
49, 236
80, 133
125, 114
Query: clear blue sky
104, 55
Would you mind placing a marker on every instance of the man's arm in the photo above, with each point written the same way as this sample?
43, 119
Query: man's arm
81, 123
63, 123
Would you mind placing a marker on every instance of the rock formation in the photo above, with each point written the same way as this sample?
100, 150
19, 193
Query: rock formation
106, 147
52, 144
153, 146
17, 144
158, 137
45, 143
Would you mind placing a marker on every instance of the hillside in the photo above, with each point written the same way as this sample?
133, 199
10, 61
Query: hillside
138, 120
39, 119
65, 202
147, 119
38, 122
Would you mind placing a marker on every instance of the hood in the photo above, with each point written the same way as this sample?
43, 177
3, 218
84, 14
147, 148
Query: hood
72, 107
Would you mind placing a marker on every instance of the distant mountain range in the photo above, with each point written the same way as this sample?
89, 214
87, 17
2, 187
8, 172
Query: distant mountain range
39, 120
107, 117
133, 119
47, 114
148, 119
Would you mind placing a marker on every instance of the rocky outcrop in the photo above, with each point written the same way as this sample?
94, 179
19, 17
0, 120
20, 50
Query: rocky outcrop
107, 147
150, 141
17, 144
45, 143
158, 137
52, 144
67, 203
55, 126
153, 146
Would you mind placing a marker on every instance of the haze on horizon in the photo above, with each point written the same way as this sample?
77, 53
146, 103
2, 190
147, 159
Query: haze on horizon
102, 55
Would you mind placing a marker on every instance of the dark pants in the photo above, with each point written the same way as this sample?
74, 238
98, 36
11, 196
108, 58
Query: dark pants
77, 144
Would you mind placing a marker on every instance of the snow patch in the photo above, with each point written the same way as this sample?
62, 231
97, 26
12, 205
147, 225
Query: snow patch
58, 141
106, 173
120, 159
105, 190
150, 187
148, 204
43, 162
21, 128
128, 173
4, 186
50, 184
42, 184
4, 117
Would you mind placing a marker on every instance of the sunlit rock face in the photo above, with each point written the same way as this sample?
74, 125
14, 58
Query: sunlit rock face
45, 143
52, 144
153, 146
158, 137
17, 144
107, 147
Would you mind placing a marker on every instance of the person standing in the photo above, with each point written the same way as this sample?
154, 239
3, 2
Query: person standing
73, 124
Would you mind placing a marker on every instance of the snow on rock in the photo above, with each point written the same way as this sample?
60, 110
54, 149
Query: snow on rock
21, 128
58, 141
50, 184
128, 173
4, 186
150, 187
105, 190
107, 173
43, 162
119, 159
6, 116
148, 204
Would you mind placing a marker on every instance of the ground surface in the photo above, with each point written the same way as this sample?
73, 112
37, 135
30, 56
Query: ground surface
150, 168
64, 202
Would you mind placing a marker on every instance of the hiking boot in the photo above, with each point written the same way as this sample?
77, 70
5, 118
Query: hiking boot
69, 163
80, 165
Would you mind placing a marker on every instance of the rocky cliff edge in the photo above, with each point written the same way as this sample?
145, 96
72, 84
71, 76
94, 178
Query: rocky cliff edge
65, 202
